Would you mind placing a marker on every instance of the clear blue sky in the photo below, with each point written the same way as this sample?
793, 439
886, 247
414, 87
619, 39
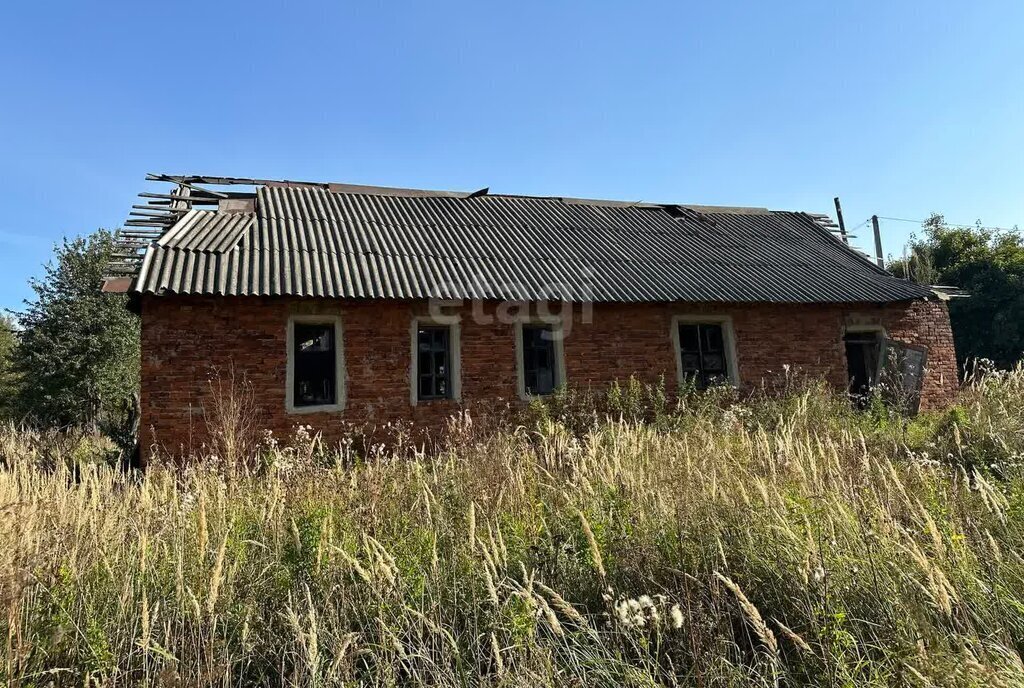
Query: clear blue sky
899, 108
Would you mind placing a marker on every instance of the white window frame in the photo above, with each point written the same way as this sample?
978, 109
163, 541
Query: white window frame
558, 330
339, 365
454, 325
728, 336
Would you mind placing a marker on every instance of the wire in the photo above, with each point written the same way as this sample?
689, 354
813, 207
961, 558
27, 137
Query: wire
851, 231
948, 224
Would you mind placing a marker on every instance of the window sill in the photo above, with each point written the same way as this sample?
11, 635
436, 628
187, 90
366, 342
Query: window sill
526, 396
322, 408
434, 400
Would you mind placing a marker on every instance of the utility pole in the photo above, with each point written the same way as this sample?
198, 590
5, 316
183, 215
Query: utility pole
878, 242
842, 225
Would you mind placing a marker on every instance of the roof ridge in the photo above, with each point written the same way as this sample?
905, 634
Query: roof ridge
399, 191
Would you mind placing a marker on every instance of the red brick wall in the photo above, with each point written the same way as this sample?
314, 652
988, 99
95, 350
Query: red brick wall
187, 341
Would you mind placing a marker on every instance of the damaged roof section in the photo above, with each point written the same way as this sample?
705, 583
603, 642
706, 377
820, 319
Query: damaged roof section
288, 238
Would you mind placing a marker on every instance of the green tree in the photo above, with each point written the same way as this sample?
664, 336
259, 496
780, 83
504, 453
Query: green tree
989, 265
8, 340
78, 351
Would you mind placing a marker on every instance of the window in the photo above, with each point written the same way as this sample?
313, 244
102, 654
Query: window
315, 380
705, 352
434, 369
540, 358
434, 372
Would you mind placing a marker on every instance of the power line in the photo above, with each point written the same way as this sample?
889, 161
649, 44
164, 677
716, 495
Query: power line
900, 219
948, 224
859, 226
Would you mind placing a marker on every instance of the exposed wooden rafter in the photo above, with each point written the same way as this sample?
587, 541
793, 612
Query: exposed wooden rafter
147, 222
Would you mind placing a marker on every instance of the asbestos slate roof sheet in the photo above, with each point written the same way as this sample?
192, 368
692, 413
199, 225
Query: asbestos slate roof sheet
313, 241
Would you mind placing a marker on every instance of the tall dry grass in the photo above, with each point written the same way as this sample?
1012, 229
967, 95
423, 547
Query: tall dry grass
778, 541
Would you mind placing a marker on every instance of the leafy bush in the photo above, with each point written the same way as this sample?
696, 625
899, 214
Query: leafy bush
989, 265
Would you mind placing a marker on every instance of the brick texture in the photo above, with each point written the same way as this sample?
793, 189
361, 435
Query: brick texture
189, 341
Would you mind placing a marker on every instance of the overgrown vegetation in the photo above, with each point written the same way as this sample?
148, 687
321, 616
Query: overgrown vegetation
782, 540
989, 265
75, 361
8, 340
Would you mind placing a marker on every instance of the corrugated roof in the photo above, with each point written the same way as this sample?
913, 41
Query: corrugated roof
318, 241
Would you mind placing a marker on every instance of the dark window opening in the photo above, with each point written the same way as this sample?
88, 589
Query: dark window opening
703, 355
540, 375
863, 358
433, 367
315, 365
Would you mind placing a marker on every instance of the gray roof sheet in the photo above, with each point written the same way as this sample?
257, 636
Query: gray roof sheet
314, 241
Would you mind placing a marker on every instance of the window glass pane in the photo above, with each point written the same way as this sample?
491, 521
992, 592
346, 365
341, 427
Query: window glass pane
314, 365
539, 375
530, 382
702, 353
712, 340
433, 363
545, 382
688, 338
714, 363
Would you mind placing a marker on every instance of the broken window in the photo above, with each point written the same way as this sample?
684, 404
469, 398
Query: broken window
433, 366
902, 374
702, 354
540, 374
315, 367
863, 363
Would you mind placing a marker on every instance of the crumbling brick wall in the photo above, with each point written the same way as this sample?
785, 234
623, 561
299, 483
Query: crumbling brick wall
188, 342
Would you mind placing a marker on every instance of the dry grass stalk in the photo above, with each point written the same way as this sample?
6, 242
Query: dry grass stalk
595, 551
191, 579
752, 614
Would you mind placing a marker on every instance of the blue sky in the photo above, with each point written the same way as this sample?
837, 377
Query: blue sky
899, 108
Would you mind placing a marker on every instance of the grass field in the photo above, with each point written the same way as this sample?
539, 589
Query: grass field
775, 541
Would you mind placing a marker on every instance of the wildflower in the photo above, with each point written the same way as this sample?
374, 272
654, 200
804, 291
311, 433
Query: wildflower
187, 501
676, 617
622, 612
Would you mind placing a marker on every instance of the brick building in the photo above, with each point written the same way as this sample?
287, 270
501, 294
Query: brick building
343, 305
